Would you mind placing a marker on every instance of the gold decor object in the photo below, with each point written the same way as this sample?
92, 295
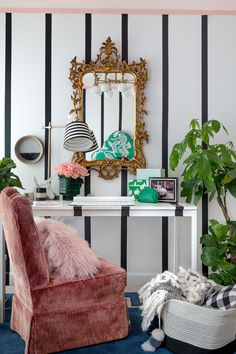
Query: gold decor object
108, 69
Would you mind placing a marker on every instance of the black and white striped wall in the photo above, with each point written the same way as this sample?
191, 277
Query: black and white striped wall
192, 74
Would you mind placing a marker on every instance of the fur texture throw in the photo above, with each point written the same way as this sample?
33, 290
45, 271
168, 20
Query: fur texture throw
68, 255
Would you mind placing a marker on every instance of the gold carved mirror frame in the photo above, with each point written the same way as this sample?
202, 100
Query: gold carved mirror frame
109, 61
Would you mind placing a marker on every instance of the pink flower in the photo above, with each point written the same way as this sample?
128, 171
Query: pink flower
71, 170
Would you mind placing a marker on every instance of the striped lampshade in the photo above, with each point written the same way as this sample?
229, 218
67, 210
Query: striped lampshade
95, 144
78, 137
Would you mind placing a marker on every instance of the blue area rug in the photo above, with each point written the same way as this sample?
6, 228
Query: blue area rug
11, 342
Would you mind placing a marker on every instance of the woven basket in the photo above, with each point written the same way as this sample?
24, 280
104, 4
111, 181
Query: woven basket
197, 329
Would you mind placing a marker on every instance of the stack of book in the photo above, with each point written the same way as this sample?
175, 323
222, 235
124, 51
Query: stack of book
100, 200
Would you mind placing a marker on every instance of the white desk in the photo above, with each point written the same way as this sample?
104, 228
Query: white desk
137, 210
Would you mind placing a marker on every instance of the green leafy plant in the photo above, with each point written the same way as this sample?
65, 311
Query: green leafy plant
219, 245
7, 177
210, 168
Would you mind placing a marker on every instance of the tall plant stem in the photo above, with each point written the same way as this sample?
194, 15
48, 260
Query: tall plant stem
222, 203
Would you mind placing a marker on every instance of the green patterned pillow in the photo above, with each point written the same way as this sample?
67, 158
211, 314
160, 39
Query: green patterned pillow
118, 145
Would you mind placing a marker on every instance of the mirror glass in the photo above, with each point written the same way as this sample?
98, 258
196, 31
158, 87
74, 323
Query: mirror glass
112, 110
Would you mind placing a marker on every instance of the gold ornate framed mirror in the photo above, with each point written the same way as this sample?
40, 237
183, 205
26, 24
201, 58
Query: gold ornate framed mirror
113, 86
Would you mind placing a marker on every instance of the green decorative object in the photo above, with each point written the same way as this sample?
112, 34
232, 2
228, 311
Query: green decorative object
148, 195
135, 186
117, 146
69, 187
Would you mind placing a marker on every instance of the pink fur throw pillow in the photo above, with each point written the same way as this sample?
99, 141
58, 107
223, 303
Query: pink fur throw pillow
68, 255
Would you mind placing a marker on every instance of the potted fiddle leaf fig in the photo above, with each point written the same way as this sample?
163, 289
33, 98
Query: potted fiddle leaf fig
210, 168
7, 177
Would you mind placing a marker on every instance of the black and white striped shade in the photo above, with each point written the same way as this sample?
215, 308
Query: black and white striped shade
95, 144
78, 137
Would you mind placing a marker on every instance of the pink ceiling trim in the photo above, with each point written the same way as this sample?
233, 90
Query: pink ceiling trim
119, 11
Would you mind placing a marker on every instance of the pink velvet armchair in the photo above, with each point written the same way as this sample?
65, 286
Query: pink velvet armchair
49, 313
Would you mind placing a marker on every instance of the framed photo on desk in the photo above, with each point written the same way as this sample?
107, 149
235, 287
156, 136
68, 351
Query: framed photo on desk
166, 187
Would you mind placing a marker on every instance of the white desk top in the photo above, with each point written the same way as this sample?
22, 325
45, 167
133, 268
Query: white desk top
63, 208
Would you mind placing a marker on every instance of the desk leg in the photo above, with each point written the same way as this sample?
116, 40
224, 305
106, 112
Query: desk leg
194, 241
2, 275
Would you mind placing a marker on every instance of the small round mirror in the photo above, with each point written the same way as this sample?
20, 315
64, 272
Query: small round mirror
29, 149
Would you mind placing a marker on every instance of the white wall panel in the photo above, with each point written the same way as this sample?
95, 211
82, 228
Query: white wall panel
184, 96
222, 88
28, 107
145, 40
2, 83
105, 232
144, 235
68, 41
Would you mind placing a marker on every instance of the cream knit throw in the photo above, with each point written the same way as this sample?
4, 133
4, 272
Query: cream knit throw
186, 285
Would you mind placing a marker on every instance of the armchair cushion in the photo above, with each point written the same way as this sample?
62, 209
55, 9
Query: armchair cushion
69, 256
107, 286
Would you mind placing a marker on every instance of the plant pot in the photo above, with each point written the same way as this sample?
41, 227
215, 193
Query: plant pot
69, 187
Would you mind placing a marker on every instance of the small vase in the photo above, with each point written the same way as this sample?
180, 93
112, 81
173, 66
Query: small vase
69, 187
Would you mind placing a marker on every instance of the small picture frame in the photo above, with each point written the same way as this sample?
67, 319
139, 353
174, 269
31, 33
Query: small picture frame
167, 188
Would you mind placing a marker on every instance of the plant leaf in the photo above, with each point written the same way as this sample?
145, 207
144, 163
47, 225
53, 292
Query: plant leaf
194, 124
231, 175
232, 187
174, 159
220, 230
216, 277
208, 240
211, 256
216, 125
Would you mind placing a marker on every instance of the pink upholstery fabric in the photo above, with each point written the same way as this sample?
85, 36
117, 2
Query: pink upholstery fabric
107, 286
69, 256
28, 260
52, 314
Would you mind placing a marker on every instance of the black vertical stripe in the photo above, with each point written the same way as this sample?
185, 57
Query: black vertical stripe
102, 118
124, 174
88, 51
8, 68
204, 118
124, 182
88, 37
204, 69
84, 105
120, 111
48, 86
165, 105
124, 56
124, 40
165, 92
123, 254
8, 56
